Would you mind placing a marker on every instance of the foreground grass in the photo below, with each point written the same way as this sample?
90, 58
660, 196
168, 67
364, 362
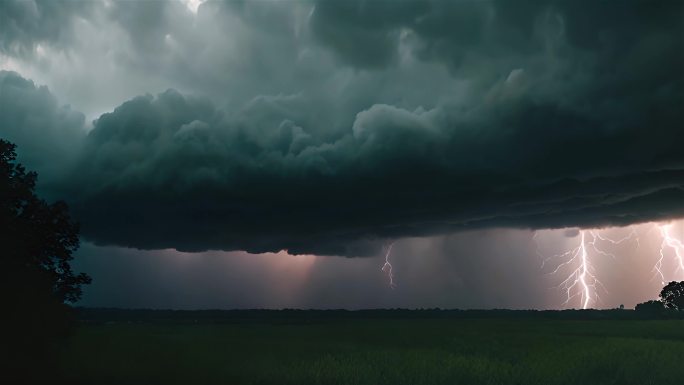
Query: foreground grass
377, 351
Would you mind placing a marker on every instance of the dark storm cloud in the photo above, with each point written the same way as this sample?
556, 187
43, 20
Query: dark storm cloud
458, 33
26, 23
49, 134
536, 121
571, 233
365, 34
173, 167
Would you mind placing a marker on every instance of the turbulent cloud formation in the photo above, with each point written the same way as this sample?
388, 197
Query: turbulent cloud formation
328, 128
49, 134
26, 24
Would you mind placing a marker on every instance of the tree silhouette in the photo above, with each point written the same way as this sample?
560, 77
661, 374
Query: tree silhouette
672, 295
650, 306
37, 240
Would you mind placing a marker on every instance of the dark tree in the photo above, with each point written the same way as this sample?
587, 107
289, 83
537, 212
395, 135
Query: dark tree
650, 307
37, 240
672, 295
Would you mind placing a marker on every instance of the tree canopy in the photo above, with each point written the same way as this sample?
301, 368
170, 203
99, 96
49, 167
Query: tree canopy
651, 306
37, 242
672, 295
37, 238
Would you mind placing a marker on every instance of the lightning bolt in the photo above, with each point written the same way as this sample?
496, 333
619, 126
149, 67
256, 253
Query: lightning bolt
387, 267
632, 235
669, 241
582, 281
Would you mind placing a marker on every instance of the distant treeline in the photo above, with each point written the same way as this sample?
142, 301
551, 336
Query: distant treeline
106, 315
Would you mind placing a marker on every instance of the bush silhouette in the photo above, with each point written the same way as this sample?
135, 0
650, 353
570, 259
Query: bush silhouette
37, 240
650, 307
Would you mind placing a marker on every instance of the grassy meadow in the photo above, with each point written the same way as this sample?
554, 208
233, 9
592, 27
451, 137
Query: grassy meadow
379, 351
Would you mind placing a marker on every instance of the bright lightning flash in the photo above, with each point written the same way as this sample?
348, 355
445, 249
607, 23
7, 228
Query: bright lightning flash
677, 248
582, 281
387, 267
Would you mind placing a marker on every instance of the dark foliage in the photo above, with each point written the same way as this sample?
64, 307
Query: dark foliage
672, 295
650, 307
37, 240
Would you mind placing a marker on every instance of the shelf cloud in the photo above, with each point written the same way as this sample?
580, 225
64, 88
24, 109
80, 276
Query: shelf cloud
330, 128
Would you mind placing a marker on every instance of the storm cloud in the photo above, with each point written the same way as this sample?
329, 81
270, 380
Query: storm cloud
330, 128
50, 135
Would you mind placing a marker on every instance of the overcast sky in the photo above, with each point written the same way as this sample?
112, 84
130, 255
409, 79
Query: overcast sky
267, 153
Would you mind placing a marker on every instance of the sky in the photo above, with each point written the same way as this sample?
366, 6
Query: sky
268, 154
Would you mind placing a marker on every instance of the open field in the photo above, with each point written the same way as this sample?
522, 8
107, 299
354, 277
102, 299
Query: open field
357, 350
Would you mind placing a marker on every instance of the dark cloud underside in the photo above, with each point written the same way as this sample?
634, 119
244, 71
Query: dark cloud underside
412, 118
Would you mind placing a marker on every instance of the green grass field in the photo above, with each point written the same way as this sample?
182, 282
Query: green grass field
379, 351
